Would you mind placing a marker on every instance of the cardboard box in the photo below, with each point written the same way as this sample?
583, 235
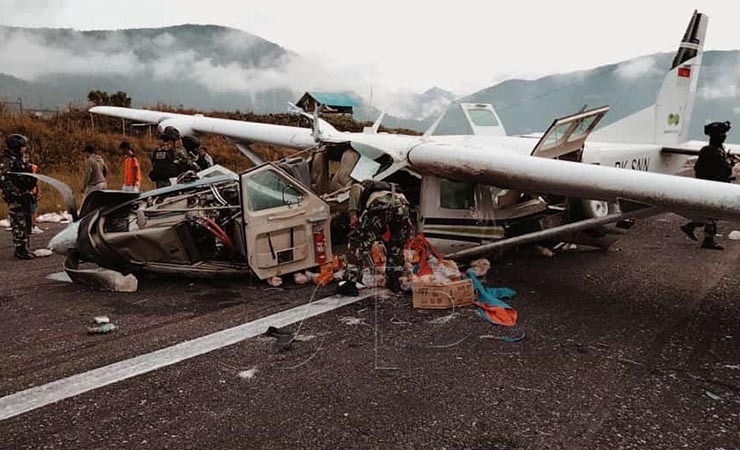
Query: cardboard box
452, 295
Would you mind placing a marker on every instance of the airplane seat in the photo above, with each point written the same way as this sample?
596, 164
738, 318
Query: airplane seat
298, 168
346, 165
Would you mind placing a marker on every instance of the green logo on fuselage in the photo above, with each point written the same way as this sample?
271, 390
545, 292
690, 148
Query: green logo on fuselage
674, 119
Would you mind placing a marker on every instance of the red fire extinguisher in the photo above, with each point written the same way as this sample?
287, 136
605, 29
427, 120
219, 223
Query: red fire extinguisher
319, 245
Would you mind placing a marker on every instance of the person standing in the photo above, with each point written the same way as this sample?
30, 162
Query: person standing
131, 169
17, 192
169, 161
713, 164
95, 171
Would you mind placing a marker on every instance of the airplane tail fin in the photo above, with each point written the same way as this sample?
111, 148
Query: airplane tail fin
667, 120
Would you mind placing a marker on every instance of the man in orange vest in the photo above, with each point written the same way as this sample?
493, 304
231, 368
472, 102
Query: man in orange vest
131, 169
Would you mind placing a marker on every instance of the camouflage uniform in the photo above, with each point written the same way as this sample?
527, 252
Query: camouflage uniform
17, 193
387, 220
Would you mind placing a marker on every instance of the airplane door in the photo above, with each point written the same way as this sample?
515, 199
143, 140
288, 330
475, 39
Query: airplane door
282, 219
567, 135
457, 211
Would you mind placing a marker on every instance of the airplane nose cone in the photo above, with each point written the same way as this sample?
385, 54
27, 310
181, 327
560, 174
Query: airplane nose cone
65, 240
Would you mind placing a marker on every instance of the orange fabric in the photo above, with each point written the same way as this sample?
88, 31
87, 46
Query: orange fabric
131, 171
420, 244
498, 315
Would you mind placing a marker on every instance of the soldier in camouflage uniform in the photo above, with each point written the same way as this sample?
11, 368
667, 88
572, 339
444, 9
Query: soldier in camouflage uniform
169, 160
18, 192
379, 213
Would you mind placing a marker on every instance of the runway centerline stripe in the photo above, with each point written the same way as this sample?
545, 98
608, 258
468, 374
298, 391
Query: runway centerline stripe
39, 396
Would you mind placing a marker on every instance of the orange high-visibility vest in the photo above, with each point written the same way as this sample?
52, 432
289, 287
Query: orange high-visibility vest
131, 171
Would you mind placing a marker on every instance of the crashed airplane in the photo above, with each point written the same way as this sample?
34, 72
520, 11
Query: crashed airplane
474, 194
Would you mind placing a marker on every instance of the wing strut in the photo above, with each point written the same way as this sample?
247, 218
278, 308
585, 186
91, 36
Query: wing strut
551, 233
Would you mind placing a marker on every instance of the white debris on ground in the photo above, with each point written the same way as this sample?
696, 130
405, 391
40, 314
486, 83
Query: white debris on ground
352, 321
36, 230
59, 276
105, 279
248, 374
5, 223
734, 235
275, 281
60, 217
299, 278
480, 267
304, 337
442, 320
42, 253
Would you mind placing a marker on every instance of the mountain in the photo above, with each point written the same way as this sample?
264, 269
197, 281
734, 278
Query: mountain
202, 66
218, 68
527, 106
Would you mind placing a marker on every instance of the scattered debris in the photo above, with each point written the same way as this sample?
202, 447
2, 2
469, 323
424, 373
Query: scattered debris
734, 235
395, 321
59, 276
101, 320
304, 337
480, 267
61, 217
517, 335
732, 367
284, 338
299, 278
442, 320
352, 321
275, 281
490, 305
104, 328
629, 361
104, 279
5, 223
248, 374
712, 395
36, 230
519, 388
42, 253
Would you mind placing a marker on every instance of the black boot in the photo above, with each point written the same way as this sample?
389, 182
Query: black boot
23, 253
688, 230
711, 244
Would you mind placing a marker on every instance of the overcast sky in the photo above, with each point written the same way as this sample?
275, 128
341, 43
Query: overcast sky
460, 45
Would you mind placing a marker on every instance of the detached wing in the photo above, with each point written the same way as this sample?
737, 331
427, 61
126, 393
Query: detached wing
499, 167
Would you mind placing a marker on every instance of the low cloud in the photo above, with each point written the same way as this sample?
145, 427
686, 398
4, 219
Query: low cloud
638, 67
32, 56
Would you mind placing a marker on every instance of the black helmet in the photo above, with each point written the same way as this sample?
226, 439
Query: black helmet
717, 128
16, 141
191, 143
170, 134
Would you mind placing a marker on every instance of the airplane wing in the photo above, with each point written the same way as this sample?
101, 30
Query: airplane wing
240, 131
687, 196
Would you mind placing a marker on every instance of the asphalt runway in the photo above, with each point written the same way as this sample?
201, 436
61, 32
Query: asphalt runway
636, 347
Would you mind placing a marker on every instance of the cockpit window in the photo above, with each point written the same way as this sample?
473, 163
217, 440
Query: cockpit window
267, 190
482, 117
583, 128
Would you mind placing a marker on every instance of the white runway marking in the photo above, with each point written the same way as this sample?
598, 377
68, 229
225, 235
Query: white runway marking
37, 397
